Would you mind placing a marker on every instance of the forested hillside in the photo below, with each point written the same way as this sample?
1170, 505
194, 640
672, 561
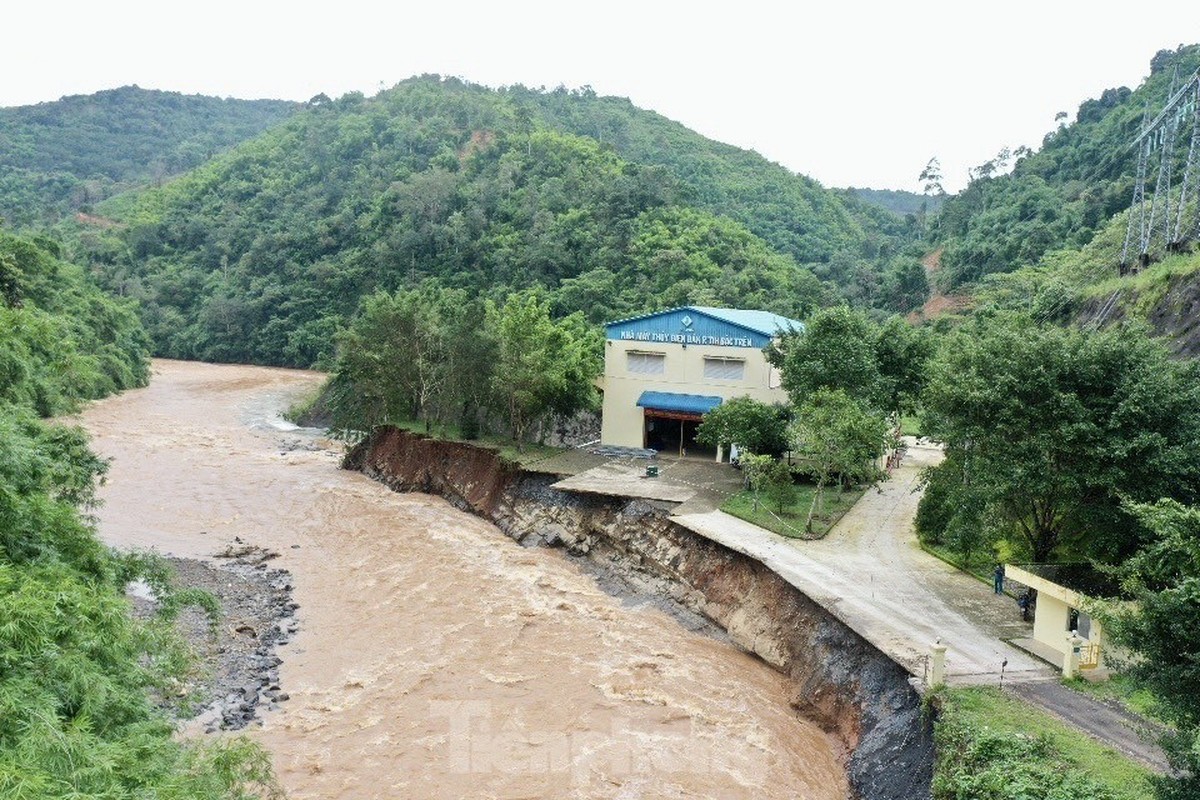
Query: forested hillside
78, 674
1061, 195
261, 254
900, 202
61, 339
66, 155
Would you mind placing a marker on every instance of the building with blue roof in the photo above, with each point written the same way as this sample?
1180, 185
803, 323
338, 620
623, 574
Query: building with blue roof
664, 371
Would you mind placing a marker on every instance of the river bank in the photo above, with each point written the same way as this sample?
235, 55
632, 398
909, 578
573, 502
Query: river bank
432, 657
836, 678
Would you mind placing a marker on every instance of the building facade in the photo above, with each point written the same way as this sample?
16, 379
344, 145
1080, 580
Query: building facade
664, 371
1060, 620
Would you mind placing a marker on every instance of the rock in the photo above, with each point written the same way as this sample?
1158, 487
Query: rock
240, 656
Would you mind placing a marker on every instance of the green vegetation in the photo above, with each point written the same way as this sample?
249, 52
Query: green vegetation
881, 367
1060, 196
1164, 578
1122, 690
263, 253
66, 156
1079, 445
900, 202
1049, 431
992, 746
77, 672
793, 521
61, 339
835, 437
437, 356
754, 426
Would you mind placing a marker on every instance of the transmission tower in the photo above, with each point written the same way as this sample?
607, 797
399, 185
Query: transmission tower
1161, 136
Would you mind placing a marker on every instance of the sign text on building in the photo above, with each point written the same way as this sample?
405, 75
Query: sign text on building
686, 338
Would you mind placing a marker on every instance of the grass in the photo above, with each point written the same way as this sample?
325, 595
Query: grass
984, 732
531, 452
1121, 689
980, 565
1147, 288
910, 426
791, 522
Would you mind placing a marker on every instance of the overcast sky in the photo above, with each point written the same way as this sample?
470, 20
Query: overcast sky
851, 93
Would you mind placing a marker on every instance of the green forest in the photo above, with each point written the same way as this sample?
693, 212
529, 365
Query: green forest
448, 251
63, 157
78, 674
264, 252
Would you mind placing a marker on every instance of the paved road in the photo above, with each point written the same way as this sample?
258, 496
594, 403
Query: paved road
1125, 731
872, 574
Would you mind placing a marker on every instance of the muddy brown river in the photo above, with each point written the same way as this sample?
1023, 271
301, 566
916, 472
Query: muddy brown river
436, 658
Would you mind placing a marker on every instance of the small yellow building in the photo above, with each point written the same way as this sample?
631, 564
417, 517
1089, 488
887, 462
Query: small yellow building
1060, 611
664, 371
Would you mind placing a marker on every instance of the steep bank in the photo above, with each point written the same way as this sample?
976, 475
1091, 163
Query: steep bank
838, 679
1170, 304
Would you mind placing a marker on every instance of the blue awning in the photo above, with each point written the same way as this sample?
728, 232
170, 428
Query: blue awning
678, 403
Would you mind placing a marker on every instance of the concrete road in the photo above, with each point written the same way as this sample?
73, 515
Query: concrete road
872, 574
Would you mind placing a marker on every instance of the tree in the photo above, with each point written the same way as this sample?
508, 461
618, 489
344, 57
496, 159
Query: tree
1052, 428
836, 437
1160, 627
902, 353
391, 362
836, 350
780, 485
931, 178
752, 425
756, 469
541, 366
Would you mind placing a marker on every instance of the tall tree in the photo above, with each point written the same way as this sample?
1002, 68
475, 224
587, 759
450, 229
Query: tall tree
837, 438
931, 178
836, 350
541, 366
1052, 428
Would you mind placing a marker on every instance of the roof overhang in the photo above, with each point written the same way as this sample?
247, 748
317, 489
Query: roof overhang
677, 403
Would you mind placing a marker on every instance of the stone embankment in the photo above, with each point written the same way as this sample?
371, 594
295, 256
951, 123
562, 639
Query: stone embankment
840, 681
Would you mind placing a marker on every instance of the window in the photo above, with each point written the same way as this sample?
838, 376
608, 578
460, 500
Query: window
642, 363
724, 369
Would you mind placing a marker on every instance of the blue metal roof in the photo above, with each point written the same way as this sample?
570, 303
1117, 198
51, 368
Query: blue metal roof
761, 322
680, 403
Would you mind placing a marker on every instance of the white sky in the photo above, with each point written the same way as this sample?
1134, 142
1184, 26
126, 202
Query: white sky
851, 93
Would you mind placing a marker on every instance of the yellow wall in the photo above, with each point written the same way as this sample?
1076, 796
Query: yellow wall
1054, 604
683, 373
1050, 622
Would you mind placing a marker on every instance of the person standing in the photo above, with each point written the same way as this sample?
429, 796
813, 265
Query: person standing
998, 579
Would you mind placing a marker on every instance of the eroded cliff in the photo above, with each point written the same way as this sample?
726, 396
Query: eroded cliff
839, 680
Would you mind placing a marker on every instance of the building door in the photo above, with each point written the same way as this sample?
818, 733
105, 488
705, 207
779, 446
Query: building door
674, 433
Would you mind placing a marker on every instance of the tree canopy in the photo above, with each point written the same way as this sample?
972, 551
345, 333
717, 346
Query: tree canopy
441, 357
1048, 430
1160, 627
262, 253
70, 154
